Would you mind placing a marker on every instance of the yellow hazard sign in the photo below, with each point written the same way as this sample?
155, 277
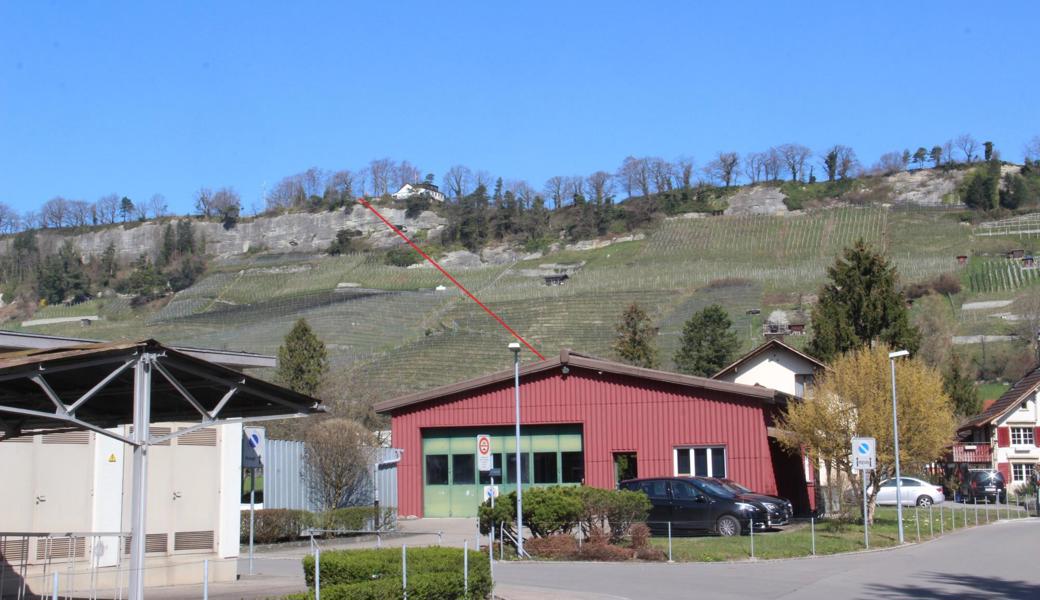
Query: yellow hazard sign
112, 458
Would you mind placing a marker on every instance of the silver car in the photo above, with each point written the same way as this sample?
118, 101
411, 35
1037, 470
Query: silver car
915, 491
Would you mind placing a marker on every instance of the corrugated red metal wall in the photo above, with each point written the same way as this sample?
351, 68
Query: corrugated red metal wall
616, 412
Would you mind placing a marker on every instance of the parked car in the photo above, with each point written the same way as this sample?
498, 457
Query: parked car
915, 491
983, 484
697, 504
780, 509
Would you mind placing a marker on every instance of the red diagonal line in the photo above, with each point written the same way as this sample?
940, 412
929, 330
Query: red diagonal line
449, 276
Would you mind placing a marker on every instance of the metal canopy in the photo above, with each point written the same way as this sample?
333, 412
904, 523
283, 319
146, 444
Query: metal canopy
101, 386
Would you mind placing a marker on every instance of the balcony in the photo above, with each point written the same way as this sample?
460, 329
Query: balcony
972, 452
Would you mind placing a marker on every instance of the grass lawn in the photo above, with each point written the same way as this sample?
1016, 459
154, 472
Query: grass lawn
991, 391
796, 539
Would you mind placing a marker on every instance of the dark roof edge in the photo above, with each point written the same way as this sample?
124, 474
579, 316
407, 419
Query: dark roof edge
572, 359
762, 348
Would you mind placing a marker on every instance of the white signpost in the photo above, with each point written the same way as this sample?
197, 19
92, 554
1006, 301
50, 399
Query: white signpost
253, 458
864, 458
485, 463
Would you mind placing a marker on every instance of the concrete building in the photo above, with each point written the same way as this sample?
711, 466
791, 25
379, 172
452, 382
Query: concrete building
774, 365
592, 421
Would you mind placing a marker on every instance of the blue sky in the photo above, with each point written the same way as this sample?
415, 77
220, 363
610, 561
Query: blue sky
138, 98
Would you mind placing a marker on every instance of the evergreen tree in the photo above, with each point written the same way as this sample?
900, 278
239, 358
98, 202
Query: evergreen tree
168, 247
61, 276
936, 155
920, 156
707, 343
126, 208
634, 342
109, 264
302, 360
861, 305
185, 237
960, 387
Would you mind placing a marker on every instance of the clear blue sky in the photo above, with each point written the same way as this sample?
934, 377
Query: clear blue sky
101, 97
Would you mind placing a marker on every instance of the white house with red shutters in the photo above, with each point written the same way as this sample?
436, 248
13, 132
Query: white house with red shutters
1006, 434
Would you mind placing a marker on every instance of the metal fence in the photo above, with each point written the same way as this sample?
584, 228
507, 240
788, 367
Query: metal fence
286, 479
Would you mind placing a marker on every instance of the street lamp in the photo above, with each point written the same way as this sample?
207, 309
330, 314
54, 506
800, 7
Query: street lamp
892, 356
515, 347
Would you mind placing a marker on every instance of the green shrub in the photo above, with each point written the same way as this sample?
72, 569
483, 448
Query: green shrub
504, 513
276, 524
433, 574
402, 256
356, 518
612, 510
552, 510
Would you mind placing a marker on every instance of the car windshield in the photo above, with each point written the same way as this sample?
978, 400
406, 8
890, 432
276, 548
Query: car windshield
712, 488
733, 486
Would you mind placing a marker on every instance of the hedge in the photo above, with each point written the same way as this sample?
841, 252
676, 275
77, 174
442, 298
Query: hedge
559, 509
280, 524
433, 574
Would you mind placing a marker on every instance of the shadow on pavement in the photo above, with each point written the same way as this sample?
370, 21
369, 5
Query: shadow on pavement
947, 585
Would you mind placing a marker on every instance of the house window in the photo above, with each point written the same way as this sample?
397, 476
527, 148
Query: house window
802, 384
1022, 436
702, 462
1021, 471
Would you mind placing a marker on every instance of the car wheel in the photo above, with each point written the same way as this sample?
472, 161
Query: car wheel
924, 500
727, 526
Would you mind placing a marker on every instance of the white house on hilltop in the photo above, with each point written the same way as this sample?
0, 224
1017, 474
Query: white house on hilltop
411, 190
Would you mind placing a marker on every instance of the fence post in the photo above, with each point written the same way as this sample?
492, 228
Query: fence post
205, 579
491, 557
976, 511
465, 568
917, 521
670, 542
812, 531
54, 587
404, 570
317, 572
942, 521
752, 538
501, 542
965, 513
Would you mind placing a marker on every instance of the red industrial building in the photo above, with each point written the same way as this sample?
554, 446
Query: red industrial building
592, 421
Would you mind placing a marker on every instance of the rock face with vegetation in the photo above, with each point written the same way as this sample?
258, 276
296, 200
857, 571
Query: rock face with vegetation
302, 232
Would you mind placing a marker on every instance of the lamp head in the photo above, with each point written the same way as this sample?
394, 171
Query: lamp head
514, 346
898, 353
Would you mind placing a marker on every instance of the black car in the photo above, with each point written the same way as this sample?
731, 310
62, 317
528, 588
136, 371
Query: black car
983, 484
780, 509
697, 504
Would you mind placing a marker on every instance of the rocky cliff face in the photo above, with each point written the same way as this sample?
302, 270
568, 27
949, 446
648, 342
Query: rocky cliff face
296, 232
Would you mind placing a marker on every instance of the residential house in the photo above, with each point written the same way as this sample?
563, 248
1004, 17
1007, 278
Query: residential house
411, 190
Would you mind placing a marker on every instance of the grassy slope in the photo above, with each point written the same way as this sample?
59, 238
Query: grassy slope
410, 337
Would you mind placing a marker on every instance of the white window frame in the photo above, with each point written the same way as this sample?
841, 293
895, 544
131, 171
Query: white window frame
1025, 437
711, 451
1027, 469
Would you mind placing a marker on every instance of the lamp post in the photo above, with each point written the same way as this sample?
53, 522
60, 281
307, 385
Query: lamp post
892, 356
515, 347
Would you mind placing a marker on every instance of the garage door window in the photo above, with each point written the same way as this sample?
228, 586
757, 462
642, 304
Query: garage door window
573, 466
437, 469
701, 461
462, 468
545, 467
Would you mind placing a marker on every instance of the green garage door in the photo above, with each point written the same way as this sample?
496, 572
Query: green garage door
453, 487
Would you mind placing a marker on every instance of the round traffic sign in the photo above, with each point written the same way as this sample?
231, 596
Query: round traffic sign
864, 448
485, 446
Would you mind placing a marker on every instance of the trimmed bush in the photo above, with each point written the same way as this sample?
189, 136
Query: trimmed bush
276, 524
612, 511
504, 512
433, 574
552, 510
355, 518
605, 552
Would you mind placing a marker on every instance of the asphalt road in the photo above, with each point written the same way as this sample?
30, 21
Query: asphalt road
997, 561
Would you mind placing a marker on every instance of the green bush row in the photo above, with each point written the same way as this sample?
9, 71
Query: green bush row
433, 574
279, 524
560, 509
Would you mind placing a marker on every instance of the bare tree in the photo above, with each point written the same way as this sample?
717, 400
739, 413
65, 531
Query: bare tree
684, 172
523, 192
107, 208
794, 157
8, 219
204, 202
601, 186
890, 162
457, 181
967, 145
771, 163
313, 182
753, 166
225, 203
660, 173
381, 172
1031, 152
54, 212
628, 175
340, 185
339, 454
482, 178
947, 152
157, 204
554, 189
575, 186
407, 173
723, 167
848, 163
141, 211
80, 212
1028, 308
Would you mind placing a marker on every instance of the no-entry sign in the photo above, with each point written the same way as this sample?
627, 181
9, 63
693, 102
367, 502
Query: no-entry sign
484, 462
